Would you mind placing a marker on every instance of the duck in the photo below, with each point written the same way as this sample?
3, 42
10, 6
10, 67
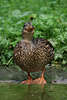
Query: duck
32, 55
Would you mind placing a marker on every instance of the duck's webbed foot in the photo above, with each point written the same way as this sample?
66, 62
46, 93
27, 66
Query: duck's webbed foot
28, 81
40, 80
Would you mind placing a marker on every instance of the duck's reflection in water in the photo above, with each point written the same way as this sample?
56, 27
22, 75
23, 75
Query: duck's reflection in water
36, 92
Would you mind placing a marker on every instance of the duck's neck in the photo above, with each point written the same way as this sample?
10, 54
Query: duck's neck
27, 37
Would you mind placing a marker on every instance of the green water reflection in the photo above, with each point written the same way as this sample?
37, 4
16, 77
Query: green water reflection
33, 92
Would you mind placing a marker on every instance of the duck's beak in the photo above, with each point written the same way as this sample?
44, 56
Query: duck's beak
31, 28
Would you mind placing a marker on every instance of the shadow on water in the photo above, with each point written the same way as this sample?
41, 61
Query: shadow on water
38, 93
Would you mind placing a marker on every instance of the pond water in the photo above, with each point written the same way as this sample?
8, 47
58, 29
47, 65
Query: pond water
11, 89
32, 92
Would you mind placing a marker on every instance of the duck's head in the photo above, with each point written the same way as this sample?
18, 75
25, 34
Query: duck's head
28, 31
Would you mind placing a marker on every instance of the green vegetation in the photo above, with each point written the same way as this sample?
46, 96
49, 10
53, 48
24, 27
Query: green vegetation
50, 21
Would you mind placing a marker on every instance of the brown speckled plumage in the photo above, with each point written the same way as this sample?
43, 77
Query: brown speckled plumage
33, 55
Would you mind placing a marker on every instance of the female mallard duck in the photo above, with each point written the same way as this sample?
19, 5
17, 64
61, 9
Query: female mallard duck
33, 54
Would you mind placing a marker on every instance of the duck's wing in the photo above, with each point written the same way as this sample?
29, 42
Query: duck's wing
46, 46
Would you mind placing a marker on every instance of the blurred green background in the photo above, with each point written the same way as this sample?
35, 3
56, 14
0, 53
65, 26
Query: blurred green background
50, 21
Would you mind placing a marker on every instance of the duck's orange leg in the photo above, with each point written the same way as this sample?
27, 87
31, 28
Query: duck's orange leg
40, 80
28, 81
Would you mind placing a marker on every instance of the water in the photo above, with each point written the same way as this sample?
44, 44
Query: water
11, 89
32, 92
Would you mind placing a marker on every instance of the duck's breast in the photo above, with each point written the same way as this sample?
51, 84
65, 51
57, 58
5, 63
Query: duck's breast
23, 54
